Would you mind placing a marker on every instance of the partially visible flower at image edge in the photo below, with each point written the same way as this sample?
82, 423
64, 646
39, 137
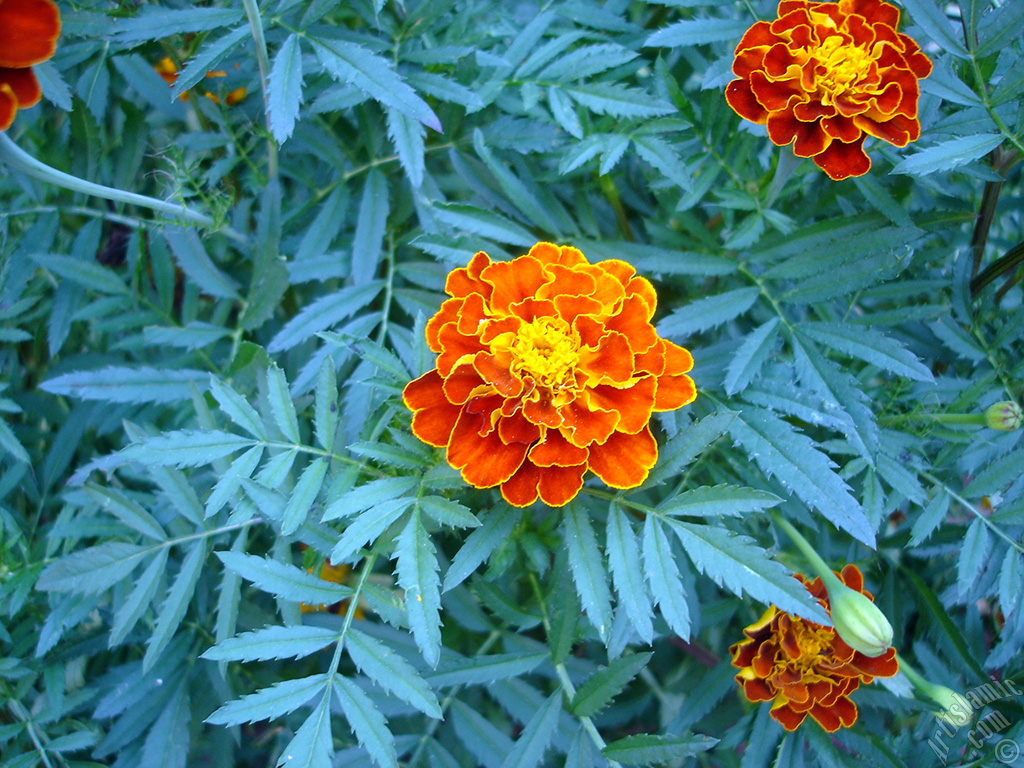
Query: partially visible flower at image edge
805, 668
168, 70
28, 36
547, 366
823, 76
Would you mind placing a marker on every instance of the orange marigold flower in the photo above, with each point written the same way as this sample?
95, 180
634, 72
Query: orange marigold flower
548, 366
805, 668
28, 36
825, 75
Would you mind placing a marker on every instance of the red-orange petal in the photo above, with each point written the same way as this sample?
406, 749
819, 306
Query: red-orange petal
466, 281
484, 460
23, 85
521, 489
8, 106
433, 416
555, 451
514, 281
623, 461
809, 139
787, 717
744, 103
559, 485
28, 32
841, 161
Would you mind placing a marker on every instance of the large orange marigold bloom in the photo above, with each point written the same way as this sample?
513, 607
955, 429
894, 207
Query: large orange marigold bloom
28, 36
823, 76
547, 366
805, 668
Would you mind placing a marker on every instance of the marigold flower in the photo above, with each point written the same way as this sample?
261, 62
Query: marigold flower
28, 36
548, 366
168, 70
805, 668
825, 75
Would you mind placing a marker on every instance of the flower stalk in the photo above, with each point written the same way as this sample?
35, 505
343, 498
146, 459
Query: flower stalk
955, 708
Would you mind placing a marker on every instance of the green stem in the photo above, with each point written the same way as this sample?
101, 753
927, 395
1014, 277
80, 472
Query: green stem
830, 580
17, 158
974, 511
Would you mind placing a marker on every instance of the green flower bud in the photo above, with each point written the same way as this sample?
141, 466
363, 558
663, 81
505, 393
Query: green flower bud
1005, 416
857, 620
956, 710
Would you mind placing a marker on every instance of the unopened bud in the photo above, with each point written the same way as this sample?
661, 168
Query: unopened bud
955, 709
1005, 416
857, 620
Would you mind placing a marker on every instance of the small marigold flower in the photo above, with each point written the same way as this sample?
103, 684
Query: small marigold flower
28, 36
823, 76
805, 668
548, 366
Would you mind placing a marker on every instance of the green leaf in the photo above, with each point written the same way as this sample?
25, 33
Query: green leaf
237, 409
607, 683
793, 458
495, 531
663, 576
586, 61
407, 135
751, 356
159, 23
185, 448
371, 225
711, 501
708, 312
369, 495
312, 746
698, 32
479, 736
93, 570
737, 563
927, 15
618, 100
325, 408
587, 567
87, 274
647, 749
448, 512
293, 642
129, 385
208, 57
484, 670
530, 747
931, 517
1011, 575
272, 702
868, 345
127, 511
688, 444
178, 598
417, 575
322, 314
949, 154
487, 224
281, 404
284, 581
194, 261
230, 481
284, 89
390, 671
302, 498
627, 572
351, 63
997, 475
974, 554
368, 526
138, 600
366, 720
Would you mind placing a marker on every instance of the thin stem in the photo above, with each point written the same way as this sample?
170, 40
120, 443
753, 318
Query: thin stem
979, 237
252, 12
17, 158
974, 511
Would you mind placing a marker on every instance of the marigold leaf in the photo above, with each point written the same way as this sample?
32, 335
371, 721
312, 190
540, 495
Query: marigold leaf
484, 670
618, 100
283, 580
417, 575
932, 19
529, 748
322, 314
479, 736
129, 385
302, 497
497, 525
627, 572
587, 566
293, 642
708, 312
208, 57
179, 596
312, 746
750, 356
272, 702
159, 23
191, 255
139, 599
391, 672
949, 154
238, 409
663, 576
647, 749
93, 570
973, 555
868, 345
366, 720
697, 32
607, 683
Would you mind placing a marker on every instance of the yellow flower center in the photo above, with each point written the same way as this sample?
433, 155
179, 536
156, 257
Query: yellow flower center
845, 66
813, 642
545, 351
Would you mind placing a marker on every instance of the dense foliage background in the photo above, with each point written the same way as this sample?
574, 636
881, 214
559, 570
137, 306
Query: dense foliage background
184, 406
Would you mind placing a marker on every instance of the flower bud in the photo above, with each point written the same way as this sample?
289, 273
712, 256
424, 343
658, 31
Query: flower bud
956, 710
1005, 416
857, 620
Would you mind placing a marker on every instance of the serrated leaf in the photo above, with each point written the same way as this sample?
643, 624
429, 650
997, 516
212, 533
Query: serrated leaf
564, 112
351, 63
302, 497
284, 89
793, 458
480, 737
1011, 576
663, 576
178, 598
159, 23
711, 501
139, 599
368, 526
949, 154
323, 313
237, 408
697, 32
371, 225
448, 512
417, 575
708, 312
931, 18
627, 572
366, 720
186, 448
587, 567
737, 563
294, 642
530, 746
997, 475
229, 482
325, 408
484, 670
284, 581
370, 351
391, 672
488, 224
607, 683
272, 702
127, 511
586, 61
868, 345
312, 746
973, 554
687, 445
206, 59
496, 528
194, 261
129, 385
929, 519
93, 570
647, 749
751, 356
281, 404
618, 100
86, 273
368, 495
407, 136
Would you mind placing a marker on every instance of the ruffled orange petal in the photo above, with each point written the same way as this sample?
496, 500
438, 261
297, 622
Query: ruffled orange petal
841, 161
8, 106
28, 32
623, 461
23, 85
483, 459
559, 485
433, 416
